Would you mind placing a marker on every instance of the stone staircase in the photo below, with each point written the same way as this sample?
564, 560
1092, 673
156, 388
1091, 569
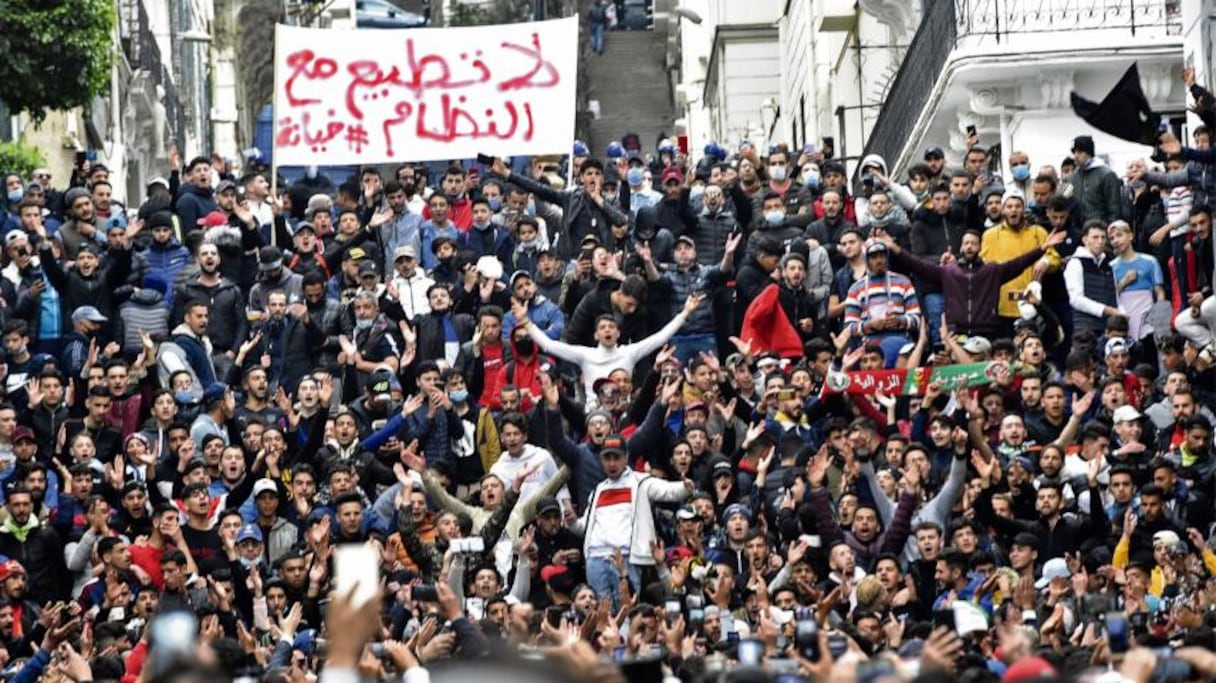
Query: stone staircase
630, 84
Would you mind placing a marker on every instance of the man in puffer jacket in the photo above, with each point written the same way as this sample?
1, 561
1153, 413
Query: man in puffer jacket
159, 266
196, 197
1095, 187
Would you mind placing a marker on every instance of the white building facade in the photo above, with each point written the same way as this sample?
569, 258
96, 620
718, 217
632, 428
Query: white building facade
893, 77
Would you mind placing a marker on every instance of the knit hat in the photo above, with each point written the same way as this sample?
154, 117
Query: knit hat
73, 194
1083, 143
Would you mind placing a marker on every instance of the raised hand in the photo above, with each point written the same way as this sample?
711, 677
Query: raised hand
412, 458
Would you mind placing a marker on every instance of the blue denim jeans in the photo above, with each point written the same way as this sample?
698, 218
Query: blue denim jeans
688, 346
605, 581
597, 38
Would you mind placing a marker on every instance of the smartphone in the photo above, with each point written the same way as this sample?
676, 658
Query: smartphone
424, 593
553, 616
811, 540
828, 145
618, 653
357, 568
837, 645
806, 637
733, 637
81, 157
696, 619
970, 130
485, 160
671, 609
750, 652
1118, 637
944, 617
682, 143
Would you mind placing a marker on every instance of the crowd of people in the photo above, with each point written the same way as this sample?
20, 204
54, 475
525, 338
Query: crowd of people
614, 424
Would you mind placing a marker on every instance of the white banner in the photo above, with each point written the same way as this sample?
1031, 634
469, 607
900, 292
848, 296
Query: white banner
372, 96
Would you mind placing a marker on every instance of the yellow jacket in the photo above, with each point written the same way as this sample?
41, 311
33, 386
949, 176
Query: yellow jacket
1157, 580
1002, 243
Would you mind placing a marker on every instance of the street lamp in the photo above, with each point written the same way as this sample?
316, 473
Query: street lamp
688, 14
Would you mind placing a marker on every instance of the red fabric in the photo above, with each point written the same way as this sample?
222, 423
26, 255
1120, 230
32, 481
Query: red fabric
492, 367
622, 496
460, 213
767, 328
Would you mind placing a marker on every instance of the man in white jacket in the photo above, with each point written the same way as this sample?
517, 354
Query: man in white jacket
618, 518
607, 356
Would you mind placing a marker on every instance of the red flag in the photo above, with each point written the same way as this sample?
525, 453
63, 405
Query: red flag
767, 328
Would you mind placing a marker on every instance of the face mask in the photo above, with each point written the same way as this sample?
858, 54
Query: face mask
774, 217
777, 173
459, 396
16, 195
481, 226
447, 260
248, 563
610, 198
525, 347
635, 176
363, 324
811, 180
1021, 172
696, 191
495, 203
526, 245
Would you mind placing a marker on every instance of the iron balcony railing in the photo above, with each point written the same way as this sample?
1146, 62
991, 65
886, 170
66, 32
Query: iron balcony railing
923, 62
999, 21
143, 53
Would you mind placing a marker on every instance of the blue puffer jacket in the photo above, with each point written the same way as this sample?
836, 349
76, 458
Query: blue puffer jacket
159, 267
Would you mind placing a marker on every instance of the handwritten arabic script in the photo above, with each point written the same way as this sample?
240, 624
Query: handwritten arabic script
424, 94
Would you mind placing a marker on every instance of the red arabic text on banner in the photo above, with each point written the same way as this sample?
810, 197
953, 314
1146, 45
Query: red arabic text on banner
368, 96
767, 328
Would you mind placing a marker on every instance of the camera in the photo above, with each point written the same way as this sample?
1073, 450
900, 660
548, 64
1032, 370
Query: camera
424, 593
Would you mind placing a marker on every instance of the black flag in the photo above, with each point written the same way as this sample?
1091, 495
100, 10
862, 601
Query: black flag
1123, 113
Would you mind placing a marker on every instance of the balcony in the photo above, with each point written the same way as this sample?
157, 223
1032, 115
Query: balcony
954, 31
989, 23
150, 69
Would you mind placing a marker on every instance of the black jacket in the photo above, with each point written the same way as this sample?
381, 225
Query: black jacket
227, 324
429, 328
1067, 536
97, 290
42, 556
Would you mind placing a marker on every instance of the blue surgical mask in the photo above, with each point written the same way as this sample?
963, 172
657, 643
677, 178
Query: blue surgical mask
1020, 172
811, 179
363, 324
777, 173
16, 195
774, 217
635, 176
459, 396
495, 203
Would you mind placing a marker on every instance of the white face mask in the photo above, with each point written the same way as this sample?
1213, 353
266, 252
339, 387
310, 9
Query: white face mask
777, 173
